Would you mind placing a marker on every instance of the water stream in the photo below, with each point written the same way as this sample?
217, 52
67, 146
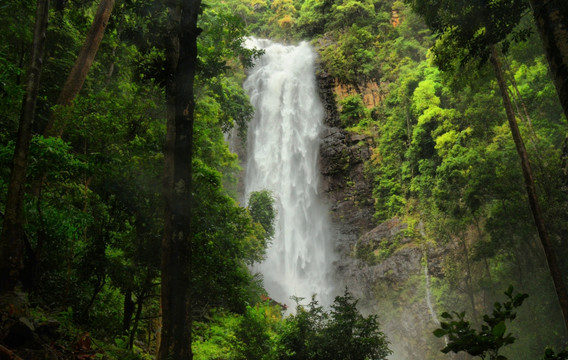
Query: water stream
429, 296
283, 144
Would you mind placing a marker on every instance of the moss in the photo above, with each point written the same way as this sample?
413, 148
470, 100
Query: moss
374, 252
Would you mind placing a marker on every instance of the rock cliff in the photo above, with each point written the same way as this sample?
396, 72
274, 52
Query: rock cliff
381, 264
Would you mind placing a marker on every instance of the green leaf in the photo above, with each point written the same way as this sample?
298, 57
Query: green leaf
440, 332
499, 329
509, 291
446, 315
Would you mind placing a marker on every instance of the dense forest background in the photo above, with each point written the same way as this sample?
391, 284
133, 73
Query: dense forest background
443, 160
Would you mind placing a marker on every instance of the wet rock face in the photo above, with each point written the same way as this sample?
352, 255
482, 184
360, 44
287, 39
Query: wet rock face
347, 187
326, 85
384, 270
334, 152
344, 182
383, 258
381, 264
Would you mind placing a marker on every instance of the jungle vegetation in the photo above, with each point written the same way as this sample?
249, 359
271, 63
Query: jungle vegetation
118, 193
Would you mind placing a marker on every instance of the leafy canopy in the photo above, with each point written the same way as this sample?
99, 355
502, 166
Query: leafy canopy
467, 29
341, 334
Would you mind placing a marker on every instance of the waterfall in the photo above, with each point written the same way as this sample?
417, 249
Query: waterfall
283, 144
429, 301
429, 296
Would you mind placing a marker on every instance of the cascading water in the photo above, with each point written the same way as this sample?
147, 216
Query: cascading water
283, 144
429, 296
429, 300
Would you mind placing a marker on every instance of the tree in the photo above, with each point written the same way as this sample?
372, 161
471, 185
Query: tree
284, 12
253, 337
314, 15
352, 110
551, 18
343, 333
85, 59
181, 57
12, 241
352, 336
470, 32
261, 208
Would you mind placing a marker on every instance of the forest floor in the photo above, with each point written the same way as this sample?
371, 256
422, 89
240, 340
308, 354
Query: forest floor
28, 332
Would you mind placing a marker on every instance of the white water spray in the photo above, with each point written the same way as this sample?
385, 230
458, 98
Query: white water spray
283, 144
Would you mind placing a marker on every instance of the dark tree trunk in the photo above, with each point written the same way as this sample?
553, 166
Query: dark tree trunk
101, 281
549, 253
551, 17
176, 245
139, 306
128, 311
11, 240
36, 255
80, 69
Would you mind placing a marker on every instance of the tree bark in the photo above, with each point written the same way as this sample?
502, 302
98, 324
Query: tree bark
11, 240
80, 69
181, 56
551, 17
139, 306
128, 311
547, 246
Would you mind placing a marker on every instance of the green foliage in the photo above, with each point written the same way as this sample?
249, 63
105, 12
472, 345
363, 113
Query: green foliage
215, 338
94, 215
314, 14
550, 355
342, 333
226, 335
11, 94
254, 340
493, 335
350, 12
94, 205
283, 19
375, 252
468, 29
353, 58
352, 110
443, 154
261, 208
225, 240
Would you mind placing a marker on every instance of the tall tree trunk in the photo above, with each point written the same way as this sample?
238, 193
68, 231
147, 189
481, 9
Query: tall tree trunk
551, 17
80, 69
101, 281
176, 245
128, 311
11, 240
547, 246
139, 305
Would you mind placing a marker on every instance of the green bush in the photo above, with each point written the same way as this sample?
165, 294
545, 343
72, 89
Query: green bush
342, 333
352, 110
